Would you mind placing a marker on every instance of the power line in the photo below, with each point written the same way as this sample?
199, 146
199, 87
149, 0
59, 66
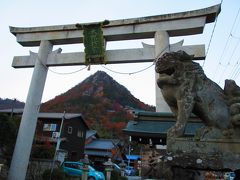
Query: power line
230, 59
236, 68
225, 47
210, 40
211, 36
235, 37
237, 73
234, 49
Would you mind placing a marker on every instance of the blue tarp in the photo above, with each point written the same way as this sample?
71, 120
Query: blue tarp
133, 157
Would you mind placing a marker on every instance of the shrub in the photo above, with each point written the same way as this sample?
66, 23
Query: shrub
42, 151
114, 175
57, 174
122, 178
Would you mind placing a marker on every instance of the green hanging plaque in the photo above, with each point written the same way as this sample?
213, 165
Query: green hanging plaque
93, 41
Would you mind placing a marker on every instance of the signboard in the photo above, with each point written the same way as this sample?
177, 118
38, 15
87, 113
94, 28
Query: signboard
49, 127
55, 135
61, 155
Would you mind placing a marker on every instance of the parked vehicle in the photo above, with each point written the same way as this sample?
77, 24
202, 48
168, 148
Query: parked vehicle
71, 168
130, 171
229, 175
116, 168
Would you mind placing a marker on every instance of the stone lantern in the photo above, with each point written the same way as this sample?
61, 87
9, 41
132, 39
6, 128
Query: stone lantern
85, 168
108, 168
122, 166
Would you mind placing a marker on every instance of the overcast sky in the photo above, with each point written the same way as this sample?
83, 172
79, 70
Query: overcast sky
222, 62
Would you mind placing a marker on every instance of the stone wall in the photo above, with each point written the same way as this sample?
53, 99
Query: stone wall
37, 166
35, 169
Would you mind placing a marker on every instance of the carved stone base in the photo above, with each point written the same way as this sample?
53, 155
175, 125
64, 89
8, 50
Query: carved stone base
213, 154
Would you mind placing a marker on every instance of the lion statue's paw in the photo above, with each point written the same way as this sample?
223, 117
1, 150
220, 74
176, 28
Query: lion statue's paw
176, 131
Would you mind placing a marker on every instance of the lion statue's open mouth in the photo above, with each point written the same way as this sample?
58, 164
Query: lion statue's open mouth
167, 71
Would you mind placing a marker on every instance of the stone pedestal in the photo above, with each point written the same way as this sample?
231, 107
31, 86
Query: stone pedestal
214, 154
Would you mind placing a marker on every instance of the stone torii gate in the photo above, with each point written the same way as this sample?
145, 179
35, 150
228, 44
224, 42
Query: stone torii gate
160, 27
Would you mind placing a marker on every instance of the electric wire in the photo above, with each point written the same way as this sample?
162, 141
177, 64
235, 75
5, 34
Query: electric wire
210, 40
236, 69
209, 44
230, 59
235, 37
225, 48
237, 72
230, 35
221, 57
234, 49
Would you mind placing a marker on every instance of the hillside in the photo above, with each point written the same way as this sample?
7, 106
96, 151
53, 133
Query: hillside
103, 102
10, 103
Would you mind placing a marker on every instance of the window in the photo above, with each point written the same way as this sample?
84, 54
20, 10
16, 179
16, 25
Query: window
69, 129
73, 156
80, 133
71, 165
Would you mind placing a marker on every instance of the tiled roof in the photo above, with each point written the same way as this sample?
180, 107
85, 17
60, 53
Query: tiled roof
58, 115
102, 144
98, 153
90, 133
44, 115
153, 114
157, 116
156, 124
15, 110
158, 128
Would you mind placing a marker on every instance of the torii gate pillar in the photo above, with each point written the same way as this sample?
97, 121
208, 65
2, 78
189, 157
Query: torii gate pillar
161, 46
27, 127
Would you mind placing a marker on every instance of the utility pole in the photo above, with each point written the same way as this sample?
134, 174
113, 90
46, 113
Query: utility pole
58, 144
129, 150
13, 104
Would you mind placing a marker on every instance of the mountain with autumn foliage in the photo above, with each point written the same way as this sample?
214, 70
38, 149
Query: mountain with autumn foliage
105, 104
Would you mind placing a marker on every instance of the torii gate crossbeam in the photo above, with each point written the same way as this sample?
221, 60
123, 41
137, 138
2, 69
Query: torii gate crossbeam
158, 27
176, 24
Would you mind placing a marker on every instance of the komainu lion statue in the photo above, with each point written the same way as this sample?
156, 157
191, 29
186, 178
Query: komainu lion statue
187, 90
